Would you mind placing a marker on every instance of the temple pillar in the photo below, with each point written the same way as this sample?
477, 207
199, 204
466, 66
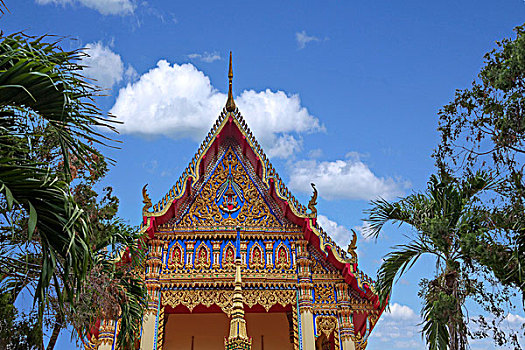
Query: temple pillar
307, 330
105, 345
348, 343
346, 327
269, 254
216, 251
153, 263
189, 254
305, 296
147, 339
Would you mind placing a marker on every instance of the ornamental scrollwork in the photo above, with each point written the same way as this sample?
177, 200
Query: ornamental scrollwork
228, 256
176, 257
359, 341
229, 197
223, 298
192, 298
325, 325
324, 293
269, 298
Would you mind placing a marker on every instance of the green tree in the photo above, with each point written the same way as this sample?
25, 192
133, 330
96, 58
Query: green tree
484, 127
53, 241
443, 219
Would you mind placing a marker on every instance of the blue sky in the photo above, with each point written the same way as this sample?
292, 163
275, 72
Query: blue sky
341, 93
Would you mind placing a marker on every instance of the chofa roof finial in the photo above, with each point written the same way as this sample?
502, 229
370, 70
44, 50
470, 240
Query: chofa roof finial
230, 104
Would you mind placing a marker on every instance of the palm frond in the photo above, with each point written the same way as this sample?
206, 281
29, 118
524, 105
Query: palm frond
402, 258
434, 327
45, 81
58, 221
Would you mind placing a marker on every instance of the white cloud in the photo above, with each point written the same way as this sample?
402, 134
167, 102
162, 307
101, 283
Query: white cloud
105, 7
131, 74
515, 319
302, 39
103, 65
407, 344
315, 153
397, 329
401, 312
206, 56
340, 234
343, 179
179, 101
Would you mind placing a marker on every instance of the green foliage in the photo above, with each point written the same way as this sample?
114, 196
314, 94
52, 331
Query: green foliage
484, 127
441, 218
474, 226
17, 332
54, 228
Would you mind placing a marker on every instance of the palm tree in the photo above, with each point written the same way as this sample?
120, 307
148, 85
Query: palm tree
46, 238
443, 218
41, 88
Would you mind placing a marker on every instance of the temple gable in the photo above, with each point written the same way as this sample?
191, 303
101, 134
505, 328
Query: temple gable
229, 240
230, 196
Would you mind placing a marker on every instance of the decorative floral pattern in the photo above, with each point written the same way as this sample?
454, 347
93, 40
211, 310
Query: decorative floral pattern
229, 198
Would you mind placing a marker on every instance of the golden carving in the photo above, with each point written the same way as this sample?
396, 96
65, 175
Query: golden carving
282, 257
359, 341
202, 257
295, 318
145, 199
176, 258
317, 267
313, 203
256, 257
223, 298
352, 248
325, 325
162, 325
228, 256
206, 210
230, 103
192, 298
324, 293
269, 298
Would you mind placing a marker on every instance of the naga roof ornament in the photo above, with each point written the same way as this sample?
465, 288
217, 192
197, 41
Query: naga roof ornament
145, 199
313, 202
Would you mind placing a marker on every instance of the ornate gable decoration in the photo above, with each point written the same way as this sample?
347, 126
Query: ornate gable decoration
231, 182
229, 198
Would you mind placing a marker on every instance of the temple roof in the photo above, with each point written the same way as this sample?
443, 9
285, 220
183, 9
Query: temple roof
230, 124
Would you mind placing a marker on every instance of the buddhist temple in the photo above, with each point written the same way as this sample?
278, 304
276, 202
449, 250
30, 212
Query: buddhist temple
236, 262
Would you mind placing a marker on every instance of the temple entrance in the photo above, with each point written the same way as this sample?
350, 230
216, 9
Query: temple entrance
268, 331
206, 328
196, 331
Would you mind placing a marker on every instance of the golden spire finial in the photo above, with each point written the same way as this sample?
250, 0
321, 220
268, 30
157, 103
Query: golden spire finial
238, 338
230, 104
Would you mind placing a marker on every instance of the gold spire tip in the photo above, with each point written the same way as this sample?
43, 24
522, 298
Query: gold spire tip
230, 104
230, 73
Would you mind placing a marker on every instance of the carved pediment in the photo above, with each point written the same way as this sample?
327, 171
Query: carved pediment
230, 197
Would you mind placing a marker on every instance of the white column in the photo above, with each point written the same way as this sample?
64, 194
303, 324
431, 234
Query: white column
148, 330
348, 344
307, 330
